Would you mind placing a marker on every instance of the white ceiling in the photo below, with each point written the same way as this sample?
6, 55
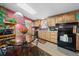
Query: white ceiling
44, 9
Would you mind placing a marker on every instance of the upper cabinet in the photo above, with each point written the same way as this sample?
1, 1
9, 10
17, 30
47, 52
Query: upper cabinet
66, 18
51, 21
37, 23
69, 17
59, 19
62, 18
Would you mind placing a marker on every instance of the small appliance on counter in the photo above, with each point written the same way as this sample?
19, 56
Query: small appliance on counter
53, 28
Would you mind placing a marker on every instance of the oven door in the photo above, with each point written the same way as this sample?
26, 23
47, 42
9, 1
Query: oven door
67, 40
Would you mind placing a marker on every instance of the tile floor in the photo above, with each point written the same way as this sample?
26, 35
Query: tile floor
54, 50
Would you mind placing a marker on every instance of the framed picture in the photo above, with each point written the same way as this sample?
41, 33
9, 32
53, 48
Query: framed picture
44, 24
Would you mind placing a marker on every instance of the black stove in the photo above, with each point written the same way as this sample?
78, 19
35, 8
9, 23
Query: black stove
66, 37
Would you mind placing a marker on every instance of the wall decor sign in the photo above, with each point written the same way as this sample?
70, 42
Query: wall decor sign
27, 23
77, 16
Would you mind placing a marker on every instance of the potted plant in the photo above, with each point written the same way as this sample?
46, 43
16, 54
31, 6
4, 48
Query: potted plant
12, 20
2, 16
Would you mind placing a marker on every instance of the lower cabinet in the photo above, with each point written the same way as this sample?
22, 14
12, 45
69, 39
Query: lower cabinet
54, 37
69, 17
77, 42
54, 40
49, 36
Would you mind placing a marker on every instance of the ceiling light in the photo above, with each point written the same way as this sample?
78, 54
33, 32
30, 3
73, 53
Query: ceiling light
42, 18
27, 8
18, 14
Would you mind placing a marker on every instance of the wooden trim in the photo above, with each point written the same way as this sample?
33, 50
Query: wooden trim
74, 11
9, 35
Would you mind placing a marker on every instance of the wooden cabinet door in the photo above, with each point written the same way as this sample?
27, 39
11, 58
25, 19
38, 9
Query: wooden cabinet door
65, 18
54, 37
77, 42
48, 36
53, 40
44, 34
37, 23
41, 34
52, 23
49, 21
59, 19
70, 17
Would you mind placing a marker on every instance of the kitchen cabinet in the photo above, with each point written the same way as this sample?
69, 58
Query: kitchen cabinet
54, 37
66, 18
48, 36
40, 34
59, 19
69, 17
44, 35
77, 41
37, 23
51, 21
